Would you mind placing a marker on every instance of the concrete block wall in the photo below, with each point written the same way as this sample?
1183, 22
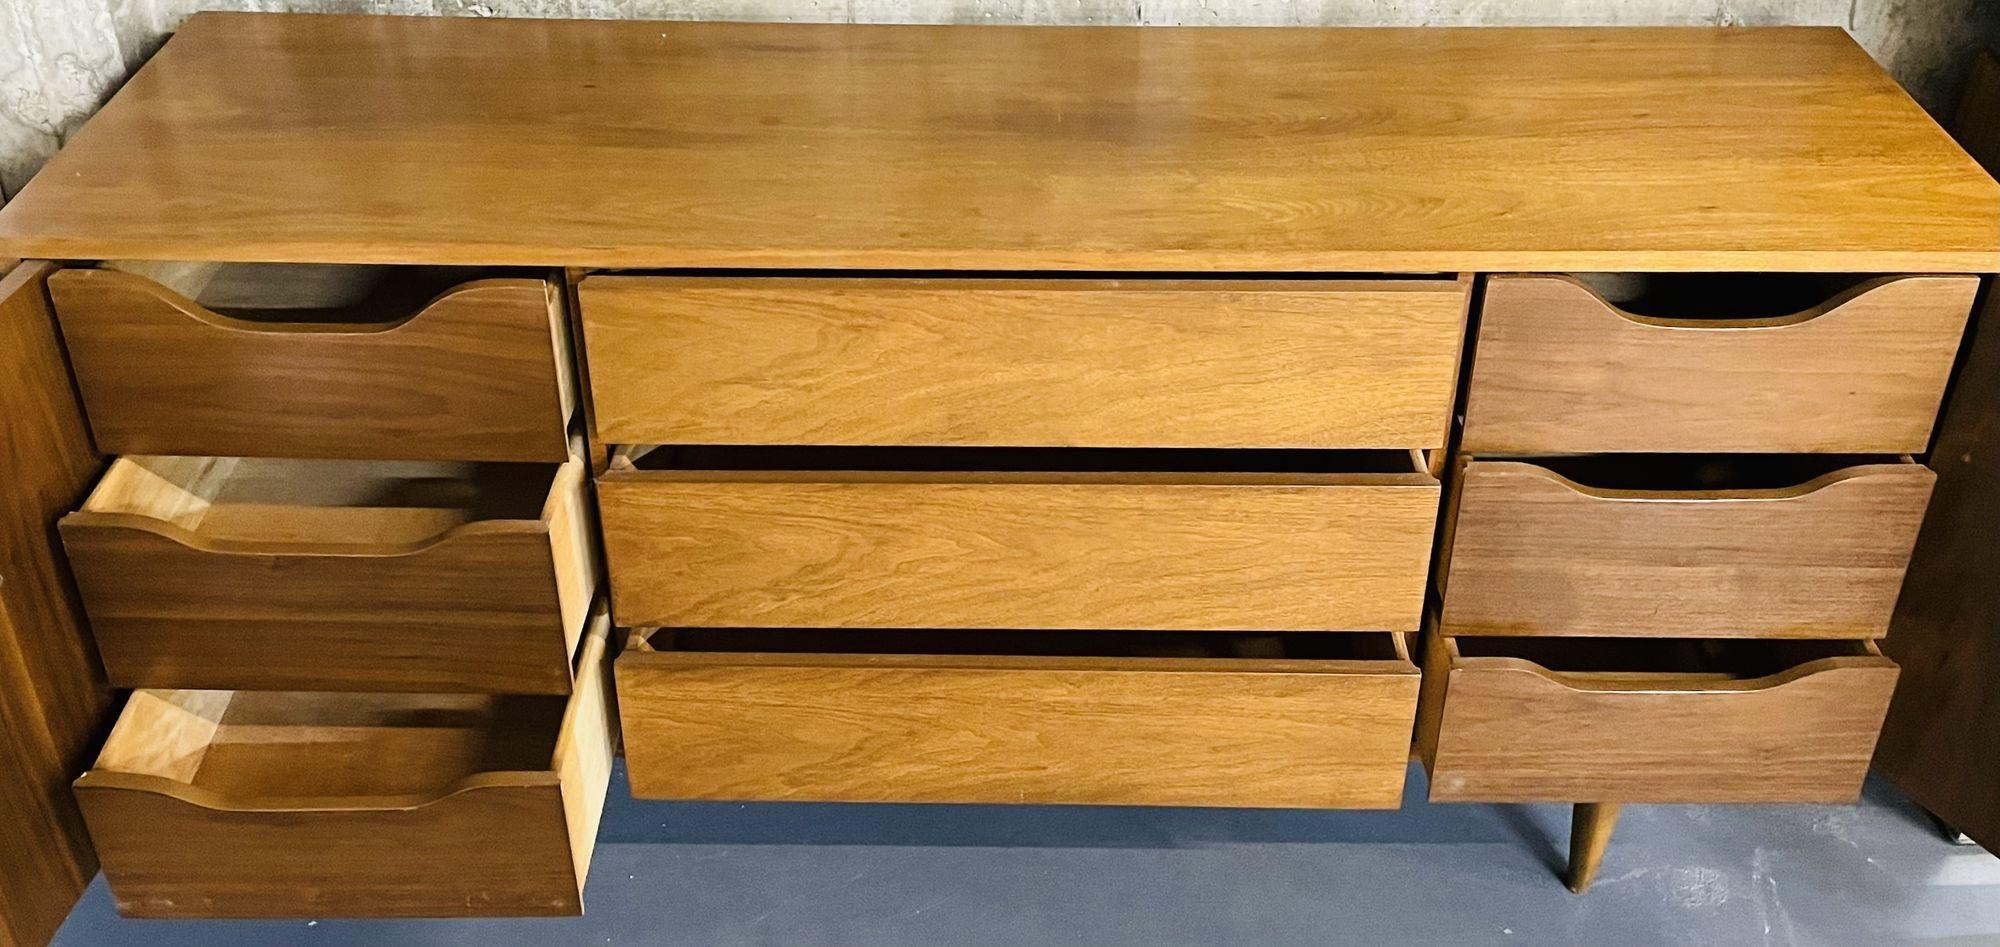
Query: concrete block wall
59, 59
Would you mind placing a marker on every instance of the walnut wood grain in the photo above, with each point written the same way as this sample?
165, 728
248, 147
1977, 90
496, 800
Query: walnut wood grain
806, 549
1559, 370
1977, 125
636, 144
1936, 744
1946, 713
322, 575
477, 374
1066, 363
1510, 730
1123, 731
53, 698
271, 804
1535, 554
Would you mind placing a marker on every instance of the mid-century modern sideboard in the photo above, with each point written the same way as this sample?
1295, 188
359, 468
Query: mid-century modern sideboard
1199, 417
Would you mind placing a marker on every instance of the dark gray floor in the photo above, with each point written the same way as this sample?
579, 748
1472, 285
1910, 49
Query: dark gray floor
724, 874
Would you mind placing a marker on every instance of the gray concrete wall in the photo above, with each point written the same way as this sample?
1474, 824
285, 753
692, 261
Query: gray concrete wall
60, 58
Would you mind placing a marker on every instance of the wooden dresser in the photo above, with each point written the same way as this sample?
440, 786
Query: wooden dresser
1112, 416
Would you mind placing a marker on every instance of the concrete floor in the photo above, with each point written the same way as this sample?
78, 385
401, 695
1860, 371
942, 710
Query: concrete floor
878, 876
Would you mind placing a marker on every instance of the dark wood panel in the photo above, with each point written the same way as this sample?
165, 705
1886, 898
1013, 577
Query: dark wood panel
1937, 744
52, 698
1978, 124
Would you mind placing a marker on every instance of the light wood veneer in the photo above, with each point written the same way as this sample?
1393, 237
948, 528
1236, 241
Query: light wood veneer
951, 549
1191, 723
637, 144
1040, 363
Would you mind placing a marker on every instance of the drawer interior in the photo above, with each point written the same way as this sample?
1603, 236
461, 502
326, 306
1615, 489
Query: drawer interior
1674, 659
1302, 646
263, 747
1703, 471
1018, 460
352, 294
1721, 296
260, 500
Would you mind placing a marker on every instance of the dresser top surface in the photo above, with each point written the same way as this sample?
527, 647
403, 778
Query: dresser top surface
303, 138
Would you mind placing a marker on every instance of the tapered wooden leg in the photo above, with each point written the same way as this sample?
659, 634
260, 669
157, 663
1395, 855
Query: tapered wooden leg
1590, 826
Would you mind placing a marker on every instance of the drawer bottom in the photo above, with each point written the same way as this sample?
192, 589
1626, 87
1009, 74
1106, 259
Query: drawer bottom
1650, 720
1130, 718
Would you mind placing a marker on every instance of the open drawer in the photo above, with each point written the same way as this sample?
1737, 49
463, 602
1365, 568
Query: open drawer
1723, 363
1018, 539
1129, 718
1795, 546
273, 804
254, 574
1650, 720
261, 360
1043, 362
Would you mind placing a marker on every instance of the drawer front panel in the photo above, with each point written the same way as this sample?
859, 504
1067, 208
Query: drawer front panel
877, 728
1535, 554
1559, 370
1327, 553
168, 857
475, 375
365, 843
1509, 730
166, 614
1058, 363
174, 607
